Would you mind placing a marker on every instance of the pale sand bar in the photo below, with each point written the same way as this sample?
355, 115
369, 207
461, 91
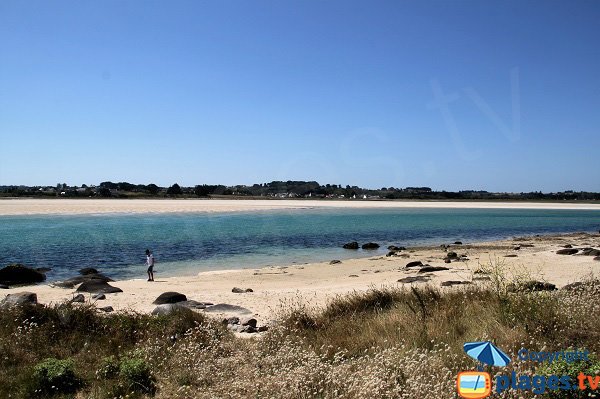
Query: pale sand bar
102, 206
315, 284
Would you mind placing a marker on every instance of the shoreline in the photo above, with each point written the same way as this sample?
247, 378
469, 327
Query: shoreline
314, 284
63, 206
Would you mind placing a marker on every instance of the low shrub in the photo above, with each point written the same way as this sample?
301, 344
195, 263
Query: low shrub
55, 376
136, 375
109, 368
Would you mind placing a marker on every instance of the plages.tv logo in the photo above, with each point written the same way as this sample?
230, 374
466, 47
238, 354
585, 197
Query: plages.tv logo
478, 384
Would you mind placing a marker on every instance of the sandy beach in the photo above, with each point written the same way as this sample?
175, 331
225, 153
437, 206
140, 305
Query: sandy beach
103, 206
314, 284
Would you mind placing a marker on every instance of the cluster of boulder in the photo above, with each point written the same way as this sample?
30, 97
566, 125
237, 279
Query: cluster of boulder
452, 256
395, 251
355, 245
424, 268
240, 319
237, 290
91, 281
569, 250
243, 325
171, 301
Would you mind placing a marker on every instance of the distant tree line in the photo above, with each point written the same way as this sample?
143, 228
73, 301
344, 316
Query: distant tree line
279, 189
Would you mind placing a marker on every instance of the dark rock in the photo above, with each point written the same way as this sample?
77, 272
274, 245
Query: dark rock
414, 263
414, 279
351, 245
99, 297
428, 269
190, 304
19, 299
482, 278
526, 245
88, 270
567, 246
169, 297
590, 252
249, 322
446, 260
263, 328
78, 298
597, 258
3, 287
567, 251
335, 262
395, 248
451, 255
106, 309
97, 286
166, 309
231, 320
16, 274
72, 282
450, 283
511, 256
517, 248
457, 242
531, 286
353, 275
370, 245
43, 269
249, 329
226, 308
241, 290
573, 286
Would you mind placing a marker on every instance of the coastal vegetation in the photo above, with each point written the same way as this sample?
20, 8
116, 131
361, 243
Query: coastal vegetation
279, 189
384, 342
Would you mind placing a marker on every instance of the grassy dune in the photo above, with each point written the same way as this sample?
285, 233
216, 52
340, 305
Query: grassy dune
384, 343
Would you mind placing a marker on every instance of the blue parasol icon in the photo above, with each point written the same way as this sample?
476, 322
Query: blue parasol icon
487, 353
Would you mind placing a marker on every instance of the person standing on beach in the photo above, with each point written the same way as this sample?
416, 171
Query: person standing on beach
150, 264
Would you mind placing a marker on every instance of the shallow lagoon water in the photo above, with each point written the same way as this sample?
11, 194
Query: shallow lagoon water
186, 244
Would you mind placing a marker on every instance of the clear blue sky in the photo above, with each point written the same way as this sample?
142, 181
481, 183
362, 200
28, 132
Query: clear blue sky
501, 96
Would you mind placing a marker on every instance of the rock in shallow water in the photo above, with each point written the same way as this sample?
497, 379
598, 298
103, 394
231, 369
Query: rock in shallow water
370, 245
20, 274
88, 270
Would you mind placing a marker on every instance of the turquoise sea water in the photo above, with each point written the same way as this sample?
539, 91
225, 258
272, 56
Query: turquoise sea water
190, 243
